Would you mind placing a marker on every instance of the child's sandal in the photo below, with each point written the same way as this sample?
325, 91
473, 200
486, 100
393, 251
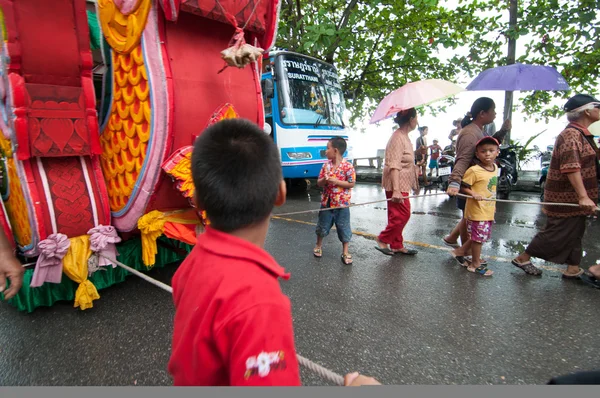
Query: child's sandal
482, 270
318, 252
347, 259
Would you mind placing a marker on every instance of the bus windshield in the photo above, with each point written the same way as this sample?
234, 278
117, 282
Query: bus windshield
309, 91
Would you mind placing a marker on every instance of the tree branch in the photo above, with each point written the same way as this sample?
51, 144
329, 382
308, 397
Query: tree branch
329, 54
364, 74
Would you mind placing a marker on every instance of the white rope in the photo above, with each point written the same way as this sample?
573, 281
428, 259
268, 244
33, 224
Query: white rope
321, 371
155, 282
354, 205
427, 195
318, 369
521, 202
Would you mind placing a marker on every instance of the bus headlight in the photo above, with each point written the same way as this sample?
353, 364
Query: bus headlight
299, 155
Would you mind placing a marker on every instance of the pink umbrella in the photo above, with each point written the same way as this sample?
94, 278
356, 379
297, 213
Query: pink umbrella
412, 95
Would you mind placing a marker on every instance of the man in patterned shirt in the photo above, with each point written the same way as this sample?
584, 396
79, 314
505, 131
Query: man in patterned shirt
572, 178
337, 177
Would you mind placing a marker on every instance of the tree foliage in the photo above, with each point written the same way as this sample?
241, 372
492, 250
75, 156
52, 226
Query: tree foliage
379, 45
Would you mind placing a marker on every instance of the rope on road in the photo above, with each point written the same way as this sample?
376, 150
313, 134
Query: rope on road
307, 363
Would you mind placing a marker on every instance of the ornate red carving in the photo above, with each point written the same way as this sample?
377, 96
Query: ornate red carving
70, 197
57, 126
250, 14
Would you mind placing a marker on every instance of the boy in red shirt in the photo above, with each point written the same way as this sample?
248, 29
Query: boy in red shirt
435, 154
233, 324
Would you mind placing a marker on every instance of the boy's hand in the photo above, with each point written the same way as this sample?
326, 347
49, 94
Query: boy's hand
477, 196
355, 380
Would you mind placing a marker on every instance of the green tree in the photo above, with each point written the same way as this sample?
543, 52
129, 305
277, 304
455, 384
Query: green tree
379, 45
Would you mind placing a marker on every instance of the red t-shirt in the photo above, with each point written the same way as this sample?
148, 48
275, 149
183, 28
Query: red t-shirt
435, 151
233, 325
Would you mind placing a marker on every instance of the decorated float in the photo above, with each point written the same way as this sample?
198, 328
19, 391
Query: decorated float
100, 105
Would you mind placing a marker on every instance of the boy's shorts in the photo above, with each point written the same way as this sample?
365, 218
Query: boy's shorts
339, 217
433, 164
479, 231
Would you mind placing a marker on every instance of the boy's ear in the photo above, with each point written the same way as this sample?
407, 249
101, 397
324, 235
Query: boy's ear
281, 194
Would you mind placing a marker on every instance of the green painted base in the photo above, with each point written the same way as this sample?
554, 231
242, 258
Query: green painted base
130, 253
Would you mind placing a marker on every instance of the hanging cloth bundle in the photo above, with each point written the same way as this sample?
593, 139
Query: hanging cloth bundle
239, 53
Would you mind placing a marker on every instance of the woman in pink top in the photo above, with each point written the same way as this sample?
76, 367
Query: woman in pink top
400, 176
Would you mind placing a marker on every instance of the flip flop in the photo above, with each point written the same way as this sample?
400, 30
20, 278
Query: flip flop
408, 252
527, 267
481, 260
482, 270
347, 258
460, 260
385, 250
455, 245
573, 276
318, 252
590, 279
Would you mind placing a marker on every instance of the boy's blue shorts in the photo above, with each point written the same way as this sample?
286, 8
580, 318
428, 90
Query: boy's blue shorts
339, 217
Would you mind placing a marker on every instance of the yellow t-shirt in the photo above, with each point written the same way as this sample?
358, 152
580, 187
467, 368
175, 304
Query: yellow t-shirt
484, 183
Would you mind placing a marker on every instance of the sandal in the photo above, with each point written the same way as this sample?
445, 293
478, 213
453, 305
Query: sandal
482, 270
590, 279
385, 250
455, 244
347, 258
528, 267
469, 259
572, 276
408, 252
461, 260
318, 252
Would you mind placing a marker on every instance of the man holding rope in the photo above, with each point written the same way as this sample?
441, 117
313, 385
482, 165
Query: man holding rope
572, 178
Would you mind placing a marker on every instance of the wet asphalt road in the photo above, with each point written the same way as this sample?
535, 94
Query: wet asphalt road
403, 320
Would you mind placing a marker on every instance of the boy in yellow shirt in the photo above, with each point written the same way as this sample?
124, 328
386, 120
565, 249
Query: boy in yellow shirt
479, 182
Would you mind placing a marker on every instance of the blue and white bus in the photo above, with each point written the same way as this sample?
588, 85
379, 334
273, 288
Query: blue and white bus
304, 108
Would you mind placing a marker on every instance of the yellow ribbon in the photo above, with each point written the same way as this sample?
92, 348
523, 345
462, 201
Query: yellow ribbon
151, 226
75, 266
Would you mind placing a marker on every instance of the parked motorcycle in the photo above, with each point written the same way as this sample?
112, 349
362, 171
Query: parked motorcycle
445, 166
507, 161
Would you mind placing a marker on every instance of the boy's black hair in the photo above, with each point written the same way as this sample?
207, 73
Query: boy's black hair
339, 143
237, 172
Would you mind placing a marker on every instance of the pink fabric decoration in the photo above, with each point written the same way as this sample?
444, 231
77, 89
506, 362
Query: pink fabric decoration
49, 264
102, 242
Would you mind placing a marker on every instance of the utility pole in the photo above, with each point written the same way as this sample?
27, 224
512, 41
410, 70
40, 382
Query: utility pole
513, 7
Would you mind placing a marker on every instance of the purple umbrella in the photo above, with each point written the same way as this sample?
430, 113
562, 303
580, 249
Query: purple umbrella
520, 77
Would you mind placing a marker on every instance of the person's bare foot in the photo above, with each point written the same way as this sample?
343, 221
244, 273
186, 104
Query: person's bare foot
595, 270
459, 256
381, 244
